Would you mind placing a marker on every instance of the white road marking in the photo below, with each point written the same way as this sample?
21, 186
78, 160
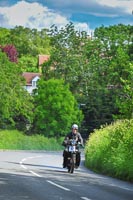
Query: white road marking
34, 173
58, 185
24, 159
85, 198
23, 166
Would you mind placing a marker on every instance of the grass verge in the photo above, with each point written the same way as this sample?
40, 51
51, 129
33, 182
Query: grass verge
15, 140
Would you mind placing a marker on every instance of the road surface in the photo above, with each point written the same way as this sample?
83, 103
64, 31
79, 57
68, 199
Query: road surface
38, 175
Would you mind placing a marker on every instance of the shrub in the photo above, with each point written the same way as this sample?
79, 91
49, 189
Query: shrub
109, 150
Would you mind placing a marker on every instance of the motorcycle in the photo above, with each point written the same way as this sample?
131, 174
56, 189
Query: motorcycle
73, 152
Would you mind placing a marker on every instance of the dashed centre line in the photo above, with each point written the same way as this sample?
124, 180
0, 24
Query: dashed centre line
34, 173
51, 182
64, 188
85, 198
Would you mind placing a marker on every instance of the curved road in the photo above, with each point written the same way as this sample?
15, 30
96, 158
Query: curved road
37, 175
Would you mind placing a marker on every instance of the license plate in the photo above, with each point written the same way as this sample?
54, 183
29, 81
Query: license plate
72, 148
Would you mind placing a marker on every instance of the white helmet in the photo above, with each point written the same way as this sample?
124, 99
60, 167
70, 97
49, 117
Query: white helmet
74, 126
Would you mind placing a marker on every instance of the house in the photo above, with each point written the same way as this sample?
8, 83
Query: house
31, 80
31, 77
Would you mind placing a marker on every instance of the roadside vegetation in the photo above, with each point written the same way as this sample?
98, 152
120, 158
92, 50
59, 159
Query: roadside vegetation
109, 150
16, 140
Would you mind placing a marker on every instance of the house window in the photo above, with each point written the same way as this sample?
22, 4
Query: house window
34, 83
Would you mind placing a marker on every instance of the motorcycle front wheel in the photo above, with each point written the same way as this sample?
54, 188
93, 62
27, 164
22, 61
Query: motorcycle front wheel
72, 164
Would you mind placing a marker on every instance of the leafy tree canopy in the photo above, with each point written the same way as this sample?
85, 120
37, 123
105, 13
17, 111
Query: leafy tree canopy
95, 69
56, 108
15, 103
98, 69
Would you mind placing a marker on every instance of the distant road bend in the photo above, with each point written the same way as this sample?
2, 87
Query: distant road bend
38, 175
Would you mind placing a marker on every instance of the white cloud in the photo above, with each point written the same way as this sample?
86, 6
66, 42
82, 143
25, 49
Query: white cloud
33, 15
83, 27
95, 7
108, 9
84, 14
125, 5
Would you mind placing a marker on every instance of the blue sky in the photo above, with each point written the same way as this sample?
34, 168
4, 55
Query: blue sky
85, 14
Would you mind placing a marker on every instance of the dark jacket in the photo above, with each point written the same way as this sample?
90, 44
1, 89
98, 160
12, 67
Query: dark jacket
71, 135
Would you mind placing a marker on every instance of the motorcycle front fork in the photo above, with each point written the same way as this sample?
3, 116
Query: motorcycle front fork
72, 159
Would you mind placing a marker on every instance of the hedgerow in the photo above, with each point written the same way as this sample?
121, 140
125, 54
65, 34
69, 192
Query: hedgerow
109, 150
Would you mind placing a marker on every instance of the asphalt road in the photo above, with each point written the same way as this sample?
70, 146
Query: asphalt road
37, 175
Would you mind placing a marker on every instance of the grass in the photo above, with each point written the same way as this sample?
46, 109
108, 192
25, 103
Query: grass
15, 140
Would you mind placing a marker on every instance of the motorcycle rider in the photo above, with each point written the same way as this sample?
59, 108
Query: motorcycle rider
74, 134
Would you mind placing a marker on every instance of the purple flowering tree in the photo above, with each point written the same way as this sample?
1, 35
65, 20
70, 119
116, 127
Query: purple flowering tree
11, 52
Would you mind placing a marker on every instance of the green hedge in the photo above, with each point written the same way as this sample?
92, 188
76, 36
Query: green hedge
109, 150
15, 140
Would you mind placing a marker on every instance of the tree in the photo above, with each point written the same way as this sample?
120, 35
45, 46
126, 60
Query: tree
93, 68
55, 108
4, 36
98, 69
68, 59
99, 102
124, 98
82, 63
28, 63
11, 52
15, 103
29, 41
109, 86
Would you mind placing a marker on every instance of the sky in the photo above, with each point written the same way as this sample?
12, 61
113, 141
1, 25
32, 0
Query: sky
86, 15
